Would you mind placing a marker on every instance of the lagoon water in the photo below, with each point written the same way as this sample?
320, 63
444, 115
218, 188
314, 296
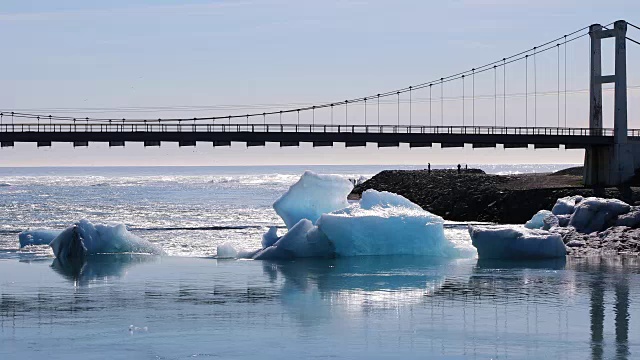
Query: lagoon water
190, 305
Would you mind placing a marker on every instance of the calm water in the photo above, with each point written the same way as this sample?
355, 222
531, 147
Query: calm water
369, 308
189, 305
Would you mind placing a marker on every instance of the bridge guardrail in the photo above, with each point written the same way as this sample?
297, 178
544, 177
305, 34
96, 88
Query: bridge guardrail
315, 128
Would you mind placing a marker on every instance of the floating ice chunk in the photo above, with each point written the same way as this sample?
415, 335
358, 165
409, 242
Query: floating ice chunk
37, 237
84, 238
312, 196
566, 205
537, 221
302, 241
594, 214
515, 242
226, 251
385, 224
270, 237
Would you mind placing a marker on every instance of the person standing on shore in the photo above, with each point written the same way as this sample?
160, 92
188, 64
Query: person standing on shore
429, 168
459, 167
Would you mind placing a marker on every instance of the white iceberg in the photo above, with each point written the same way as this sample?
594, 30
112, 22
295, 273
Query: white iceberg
384, 223
37, 237
566, 205
594, 214
312, 196
84, 238
537, 221
226, 251
515, 242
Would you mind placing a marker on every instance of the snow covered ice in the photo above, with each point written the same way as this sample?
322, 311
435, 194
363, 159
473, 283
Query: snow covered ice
84, 238
312, 196
515, 242
37, 237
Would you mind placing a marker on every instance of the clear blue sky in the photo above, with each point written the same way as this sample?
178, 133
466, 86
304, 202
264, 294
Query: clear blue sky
101, 57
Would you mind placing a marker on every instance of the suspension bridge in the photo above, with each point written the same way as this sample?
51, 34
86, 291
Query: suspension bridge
419, 115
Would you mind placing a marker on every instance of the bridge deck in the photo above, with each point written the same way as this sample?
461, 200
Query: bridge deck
291, 134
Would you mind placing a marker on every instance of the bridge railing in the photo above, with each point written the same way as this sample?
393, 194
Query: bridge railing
307, 128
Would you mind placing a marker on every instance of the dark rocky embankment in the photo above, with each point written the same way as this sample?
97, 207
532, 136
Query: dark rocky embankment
473, 195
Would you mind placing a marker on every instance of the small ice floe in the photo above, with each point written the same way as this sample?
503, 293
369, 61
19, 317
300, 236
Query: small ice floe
37, 237
84, 238
133, 329
515, 242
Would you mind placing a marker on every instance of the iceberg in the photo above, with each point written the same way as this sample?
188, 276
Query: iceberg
515, 242
537, 221
270, 237
594, 214
312, 196
566, 205
37, 237
226, 251
84, 238
384, 223
302, 241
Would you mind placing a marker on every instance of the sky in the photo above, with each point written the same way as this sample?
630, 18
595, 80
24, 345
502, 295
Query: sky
189, 58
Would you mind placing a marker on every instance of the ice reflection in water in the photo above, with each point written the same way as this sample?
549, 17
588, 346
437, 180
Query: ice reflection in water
374, 307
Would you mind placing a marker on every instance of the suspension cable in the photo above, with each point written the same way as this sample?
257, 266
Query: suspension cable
558, 99
565, 81
462, 100
535, 90
441, 101
512, 58
473, 97
410, 105
526, 91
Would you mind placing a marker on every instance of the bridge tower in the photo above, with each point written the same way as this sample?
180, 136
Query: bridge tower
612, 164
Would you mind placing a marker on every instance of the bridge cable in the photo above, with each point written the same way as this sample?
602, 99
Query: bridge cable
565, 81
558, 99
462, 100
486, 67
430, 90
313, 119
441, 101
504, 92
526, 91
346, 112
332, 114
410, 105
495, 97
298, 117
630, 39
535, 90
473, 97
378, 109
365, 113
398, 108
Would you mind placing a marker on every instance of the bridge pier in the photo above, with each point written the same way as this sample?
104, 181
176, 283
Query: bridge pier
614, 164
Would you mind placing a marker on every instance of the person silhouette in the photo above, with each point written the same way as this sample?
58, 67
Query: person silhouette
429, 168
459, 167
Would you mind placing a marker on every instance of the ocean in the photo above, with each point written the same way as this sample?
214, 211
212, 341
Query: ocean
188, 304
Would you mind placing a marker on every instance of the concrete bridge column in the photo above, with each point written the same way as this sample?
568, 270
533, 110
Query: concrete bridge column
614, 164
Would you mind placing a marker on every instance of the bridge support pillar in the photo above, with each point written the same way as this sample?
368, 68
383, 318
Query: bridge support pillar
614, 164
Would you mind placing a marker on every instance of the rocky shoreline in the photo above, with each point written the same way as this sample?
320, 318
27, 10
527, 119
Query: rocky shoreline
474, 196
